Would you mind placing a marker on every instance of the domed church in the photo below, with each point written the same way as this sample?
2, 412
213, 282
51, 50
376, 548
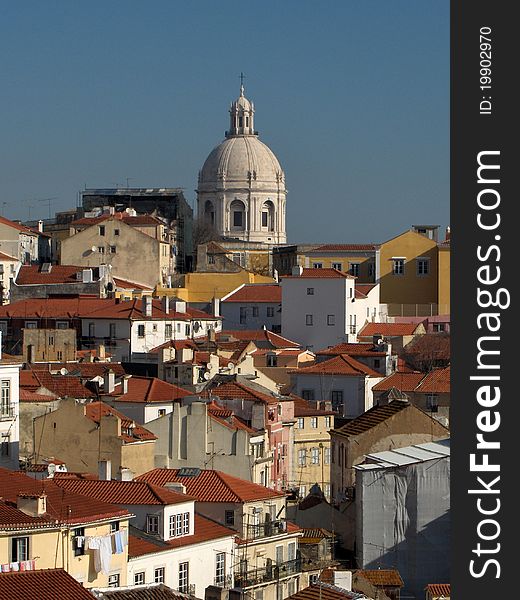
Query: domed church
241, 187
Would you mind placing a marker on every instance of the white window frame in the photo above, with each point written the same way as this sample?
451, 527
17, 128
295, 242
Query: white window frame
309, 320
398, 265
220, 568
140, 578
159, 575
184, 577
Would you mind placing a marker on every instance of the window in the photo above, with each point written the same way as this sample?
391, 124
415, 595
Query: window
62, 324
114, 526
179, 524
19, 549
101, 249
187, 329
314, 422
371, 269
140, 331
237, 218
5, 398
168, 331
91, 330
313, 579
78, 541
158, 575
116, 231
184, 578
301, 423
432, 402
315, 456
255, 311
308, 395
271, 360
101, 230
354, 269
302, 457
331, 320
4, 444
112, 330
302, 491
438, 327
112, 249
139, 578
186, 523
243, 315
423, 266
152, 524
327, 422
352, 324
230, 517
337, 266
31, 325
265, 219
220, 568
278, 554
161, 412
211, 259
113, 580
336, 398
398, 266
59, 355
317, 265
310, 291
308, 320
270, 311
326, 455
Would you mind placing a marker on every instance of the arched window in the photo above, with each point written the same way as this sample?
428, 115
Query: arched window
238, 215
209, 212
268, 216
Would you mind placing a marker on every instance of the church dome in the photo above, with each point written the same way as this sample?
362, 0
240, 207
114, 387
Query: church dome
241, 159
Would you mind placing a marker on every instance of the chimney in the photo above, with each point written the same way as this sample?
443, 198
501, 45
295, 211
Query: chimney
104, 470
125, 383
448, 233
101, 351
216, 307
166, 304
343, 579
146, 306
109, 382
40, 226
34, 505
376, 339
175, 486
180, 306
297, 271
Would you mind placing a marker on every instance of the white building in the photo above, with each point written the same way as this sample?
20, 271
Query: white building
9, 266
9, 410
19, 241
322, 307
130, 329
253, 306
241, 189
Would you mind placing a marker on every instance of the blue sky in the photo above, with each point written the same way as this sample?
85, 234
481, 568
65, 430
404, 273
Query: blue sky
352, 96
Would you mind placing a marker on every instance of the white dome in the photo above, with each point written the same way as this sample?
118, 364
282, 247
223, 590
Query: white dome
240, 159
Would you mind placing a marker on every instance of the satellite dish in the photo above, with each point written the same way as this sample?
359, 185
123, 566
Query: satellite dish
230, 365
209, 366
63, 371
94, 248
51, 469
207, 376
196, 326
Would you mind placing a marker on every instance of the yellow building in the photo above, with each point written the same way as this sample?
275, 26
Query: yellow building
45, 527
414, 273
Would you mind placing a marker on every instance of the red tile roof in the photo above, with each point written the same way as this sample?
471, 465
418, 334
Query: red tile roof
371, 418
63, 506
89, 370
363, 289
17, 226
33, 275
320, 274
4, 256
258, 335
388, 329
62, 386
140, 544
436, 381
260, 292
130, 285
324, 591
211, 486
123, 492
346, 248
95, 410
382, 577
42, 584
358, 349
342, 364
149, 389
437, 590
234, 390
28, 396
176, 344
404, 382
132, 310
52, 308
303, 408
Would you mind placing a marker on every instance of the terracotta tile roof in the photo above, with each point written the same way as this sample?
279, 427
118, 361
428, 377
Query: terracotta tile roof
436, 381
231, 421
303, 408
234, 390
371, 418
211, 486
28, 396
388, 329
132, 310
130, 285
342, 364
363, 289
95, 410
62, 386
428, 346
260, 292
89, 370
382, 577
149, 591
4, 256
17, 226
139, 543
52, 308
33, 275
314, 535
176, 344
320, 274
404, 382
346, 248
123, 492
325, 591
42, 584
149, 390
258, 335
63, 506
358, 349
439, 589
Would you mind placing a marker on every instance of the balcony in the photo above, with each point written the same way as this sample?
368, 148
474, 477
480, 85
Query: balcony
246, 579
266, 529
225, 582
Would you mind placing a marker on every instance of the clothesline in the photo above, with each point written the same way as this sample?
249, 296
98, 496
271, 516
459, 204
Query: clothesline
104, 546
24, 565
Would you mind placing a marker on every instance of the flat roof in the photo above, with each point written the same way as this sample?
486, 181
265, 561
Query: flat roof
406, 456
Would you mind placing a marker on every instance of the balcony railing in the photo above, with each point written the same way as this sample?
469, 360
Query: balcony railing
274, 572
225, 582
266, 529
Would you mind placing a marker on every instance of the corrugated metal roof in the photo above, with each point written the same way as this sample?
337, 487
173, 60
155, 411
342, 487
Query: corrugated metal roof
407, 455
